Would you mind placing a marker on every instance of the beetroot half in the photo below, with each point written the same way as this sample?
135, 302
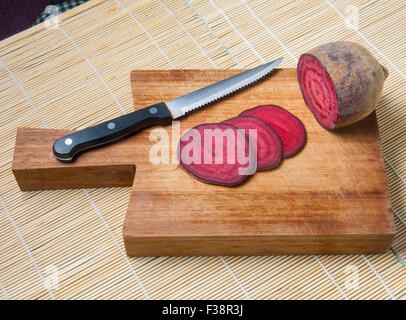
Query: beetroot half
216, 153
341, 83
268, 143
289, 128
318, 91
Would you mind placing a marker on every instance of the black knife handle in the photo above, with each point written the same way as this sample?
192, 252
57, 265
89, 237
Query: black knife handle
66, 148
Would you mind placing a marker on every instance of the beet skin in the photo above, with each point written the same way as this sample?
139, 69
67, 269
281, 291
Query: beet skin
341, 83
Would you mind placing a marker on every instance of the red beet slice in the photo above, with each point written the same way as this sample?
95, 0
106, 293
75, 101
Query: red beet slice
289, 128
268, 143
318, 90
216, 153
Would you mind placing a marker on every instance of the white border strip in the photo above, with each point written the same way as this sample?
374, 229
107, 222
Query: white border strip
27, 250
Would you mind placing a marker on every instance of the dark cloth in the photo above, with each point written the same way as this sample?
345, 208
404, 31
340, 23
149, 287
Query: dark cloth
18, 15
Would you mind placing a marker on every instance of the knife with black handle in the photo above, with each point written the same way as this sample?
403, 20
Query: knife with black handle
67, 148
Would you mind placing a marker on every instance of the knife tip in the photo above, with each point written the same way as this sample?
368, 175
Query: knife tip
276, 62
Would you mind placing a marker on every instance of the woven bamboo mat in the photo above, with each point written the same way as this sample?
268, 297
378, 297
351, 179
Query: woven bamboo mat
67, 244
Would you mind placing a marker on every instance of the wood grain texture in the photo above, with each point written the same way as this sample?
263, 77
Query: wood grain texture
36, 168
330, 198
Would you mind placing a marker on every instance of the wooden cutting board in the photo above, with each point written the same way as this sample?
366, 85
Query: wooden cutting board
330, 198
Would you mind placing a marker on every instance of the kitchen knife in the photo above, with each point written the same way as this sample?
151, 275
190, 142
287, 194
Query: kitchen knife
68, 147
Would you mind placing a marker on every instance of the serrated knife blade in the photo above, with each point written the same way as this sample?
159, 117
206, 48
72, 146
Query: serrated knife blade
66, 148
196, 99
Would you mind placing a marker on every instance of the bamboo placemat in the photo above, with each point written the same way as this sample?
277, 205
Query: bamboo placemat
67, 244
